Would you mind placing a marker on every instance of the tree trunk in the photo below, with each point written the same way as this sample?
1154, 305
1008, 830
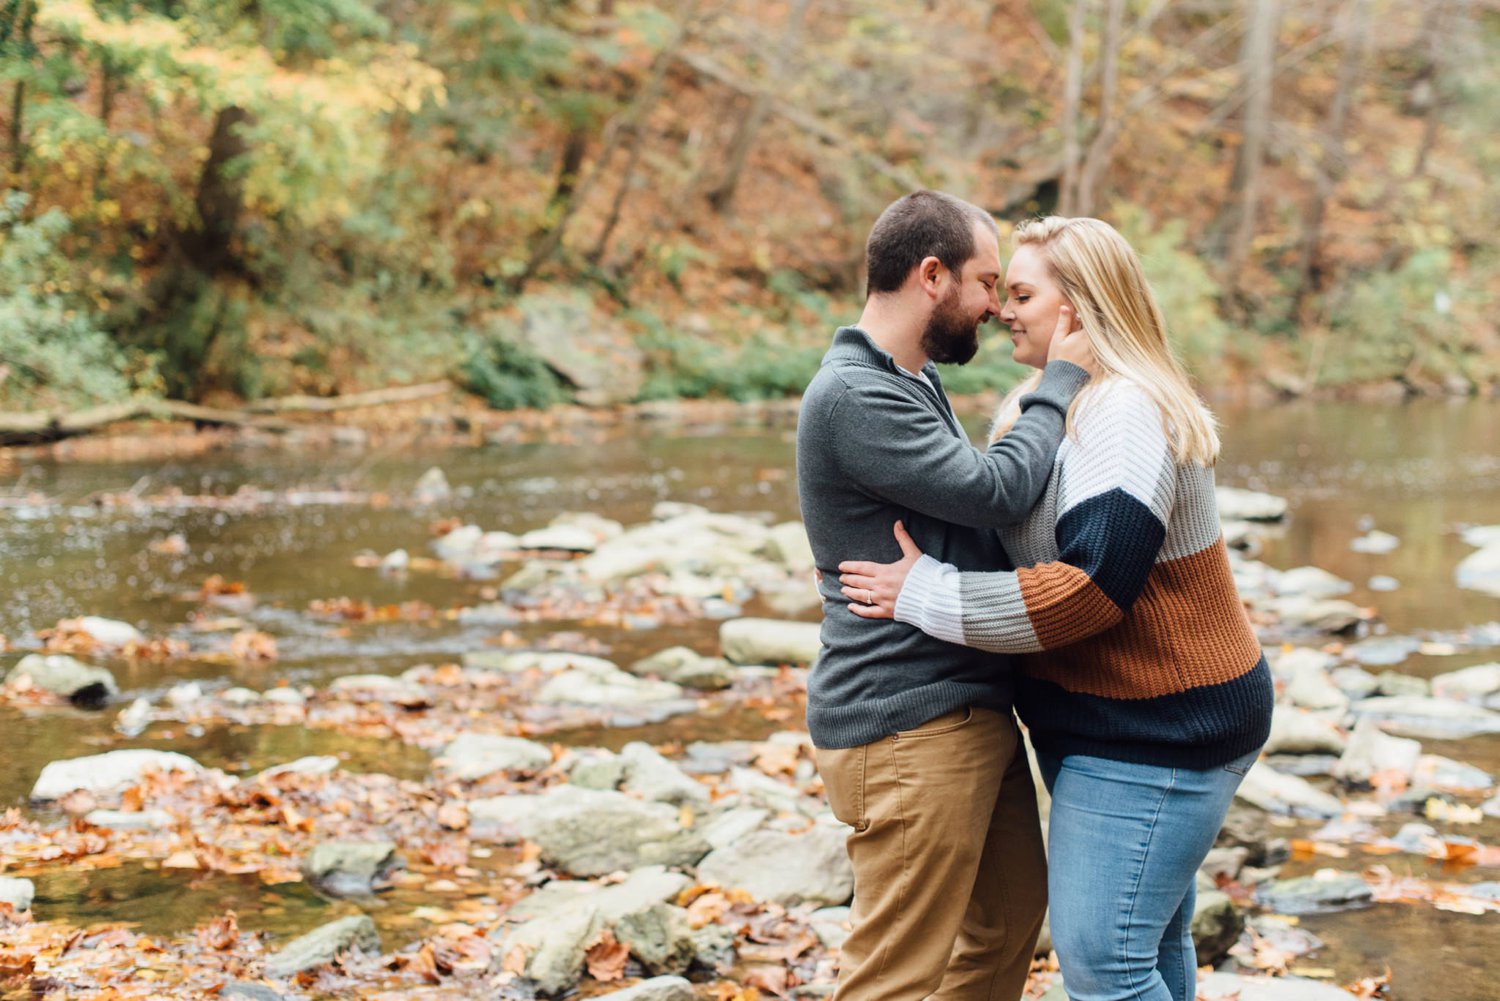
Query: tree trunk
1101, 149
17, 114
744, 138
1257, 59
1067, 196
1331, 164
1436, 28
220, 196
16, 35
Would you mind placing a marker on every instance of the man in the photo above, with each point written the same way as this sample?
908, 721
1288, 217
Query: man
916, 742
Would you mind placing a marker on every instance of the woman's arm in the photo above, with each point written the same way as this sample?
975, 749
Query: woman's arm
1118, 482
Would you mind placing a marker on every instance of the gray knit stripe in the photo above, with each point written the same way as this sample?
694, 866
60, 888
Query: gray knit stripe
994, 613
1195, 519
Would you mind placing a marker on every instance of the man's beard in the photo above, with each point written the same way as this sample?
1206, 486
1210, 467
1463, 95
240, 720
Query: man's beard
951, 338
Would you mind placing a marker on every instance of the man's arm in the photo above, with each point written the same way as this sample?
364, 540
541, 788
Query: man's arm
901, 451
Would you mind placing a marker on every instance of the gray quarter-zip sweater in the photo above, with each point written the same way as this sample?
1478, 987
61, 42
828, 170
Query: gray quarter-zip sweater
876, 445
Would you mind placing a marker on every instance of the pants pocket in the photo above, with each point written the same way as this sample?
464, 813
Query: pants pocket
843, 772
1240, 766
946, 723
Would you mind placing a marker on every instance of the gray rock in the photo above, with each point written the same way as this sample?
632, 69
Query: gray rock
239, 697
1233, 987
1311, 582
322, 946
110, 632
432, 486
1217, 924
1295, 731
660, 936
569, 538
379, 687
597, 769
349, 868
726, 828
313, 764
787, 544
458, 545
604, 684
1316, 894
1383, 582
555, 947
1311, 688
593, 833
1286, 664
18, 893
1427, 717
714, 944
1480, 571
1383, 651
831, 925
655, 989
592, 353
651, 776
1396, 683
1276, 792
788, 869
120, 820
104, 773
83, 684
1224, 861
1376, 542
684, 666
770, 641
285, 696
239, 990
1355, 682
1469, 684
472, 756
1236, 504
1371, 751
643, 888
1325, 615
1437, 772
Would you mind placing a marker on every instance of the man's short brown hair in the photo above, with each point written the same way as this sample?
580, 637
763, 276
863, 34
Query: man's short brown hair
916, 226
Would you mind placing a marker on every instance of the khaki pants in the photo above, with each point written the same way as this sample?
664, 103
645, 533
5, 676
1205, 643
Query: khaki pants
950, 876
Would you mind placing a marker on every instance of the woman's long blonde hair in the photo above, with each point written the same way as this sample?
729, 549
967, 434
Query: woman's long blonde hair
1101, 277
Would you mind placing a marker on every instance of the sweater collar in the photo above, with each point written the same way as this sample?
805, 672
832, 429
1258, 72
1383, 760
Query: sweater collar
852, 344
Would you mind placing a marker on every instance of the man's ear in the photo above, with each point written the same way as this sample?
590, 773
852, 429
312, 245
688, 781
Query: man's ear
930, 274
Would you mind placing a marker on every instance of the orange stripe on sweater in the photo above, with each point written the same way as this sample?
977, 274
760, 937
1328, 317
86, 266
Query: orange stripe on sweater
1187, 630
1064, 604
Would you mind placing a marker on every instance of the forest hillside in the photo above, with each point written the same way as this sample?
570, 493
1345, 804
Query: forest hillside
614, 200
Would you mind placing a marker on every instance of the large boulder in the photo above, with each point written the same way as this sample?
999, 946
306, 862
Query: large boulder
1217, 924
788, 869
471, 756
660, 936
770, 641
605, 685
651, 776
595, 832
592, 353
83, 684
655, 989
641, 890
1278, 792
686, 667
1422, 716
554, 947
1372, 752
104, 773
1233, 987
349, 868
323, 945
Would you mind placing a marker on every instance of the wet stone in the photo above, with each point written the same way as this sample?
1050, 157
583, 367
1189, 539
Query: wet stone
788, 869
1316, 894
237, 990
472, 756
554, 947
655, 989
1217, 924
103, 773
350, 869
660, 936
1396, 683
323, 945
18, 893
83, 684
1383, 651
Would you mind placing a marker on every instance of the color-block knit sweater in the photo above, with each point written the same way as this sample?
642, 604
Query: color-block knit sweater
1139, 648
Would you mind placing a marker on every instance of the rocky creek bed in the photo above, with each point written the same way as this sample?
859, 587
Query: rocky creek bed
534, 814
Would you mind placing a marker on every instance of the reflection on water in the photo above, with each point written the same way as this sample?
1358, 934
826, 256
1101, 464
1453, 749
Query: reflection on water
1417, 471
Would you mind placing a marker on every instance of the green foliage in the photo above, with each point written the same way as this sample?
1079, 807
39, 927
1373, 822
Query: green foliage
694, 365
53, 351
991, 369
506, 374
1396, 324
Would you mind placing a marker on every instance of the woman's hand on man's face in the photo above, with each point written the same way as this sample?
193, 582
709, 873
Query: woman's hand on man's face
1069, 342
873, 587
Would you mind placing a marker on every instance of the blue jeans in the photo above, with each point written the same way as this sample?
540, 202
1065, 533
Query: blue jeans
1124, 845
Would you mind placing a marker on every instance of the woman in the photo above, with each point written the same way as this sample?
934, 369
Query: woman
1145, 691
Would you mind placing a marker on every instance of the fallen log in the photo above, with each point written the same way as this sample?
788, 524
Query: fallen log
40, 428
